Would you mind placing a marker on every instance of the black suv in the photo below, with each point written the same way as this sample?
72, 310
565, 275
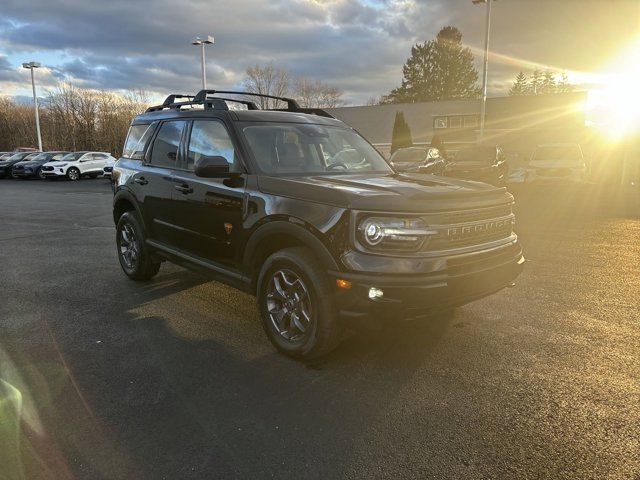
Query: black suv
297, 208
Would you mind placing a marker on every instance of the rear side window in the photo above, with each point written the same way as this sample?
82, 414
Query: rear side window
209, 138
136, 141
165, 147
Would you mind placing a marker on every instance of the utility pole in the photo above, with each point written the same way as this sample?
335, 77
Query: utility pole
485, 69
31, 66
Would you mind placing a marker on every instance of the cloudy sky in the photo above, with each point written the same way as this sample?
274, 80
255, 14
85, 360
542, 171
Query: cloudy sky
358, 46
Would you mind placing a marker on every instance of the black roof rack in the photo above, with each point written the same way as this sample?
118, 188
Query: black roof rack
202, 95
219, 103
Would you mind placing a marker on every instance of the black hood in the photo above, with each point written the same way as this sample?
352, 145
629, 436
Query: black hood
394, 192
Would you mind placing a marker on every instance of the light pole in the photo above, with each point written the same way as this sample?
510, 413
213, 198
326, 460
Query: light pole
31, 66
202, 43
485, 71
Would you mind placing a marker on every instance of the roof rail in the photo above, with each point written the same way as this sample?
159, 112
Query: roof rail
202, 95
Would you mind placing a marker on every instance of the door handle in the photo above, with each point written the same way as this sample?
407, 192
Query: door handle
141, 181
184, 188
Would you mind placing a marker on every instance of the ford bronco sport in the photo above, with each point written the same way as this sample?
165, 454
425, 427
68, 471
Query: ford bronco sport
296, 208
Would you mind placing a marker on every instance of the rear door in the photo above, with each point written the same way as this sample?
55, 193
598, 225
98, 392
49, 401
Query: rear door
153, 182
209, 210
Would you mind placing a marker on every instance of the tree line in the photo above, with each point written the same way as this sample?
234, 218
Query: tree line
540, 83
72, 119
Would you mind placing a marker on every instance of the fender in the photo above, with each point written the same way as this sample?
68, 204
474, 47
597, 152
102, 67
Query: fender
301, 233
123, 194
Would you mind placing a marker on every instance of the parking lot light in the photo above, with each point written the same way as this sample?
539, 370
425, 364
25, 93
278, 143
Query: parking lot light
31, 66
202, 43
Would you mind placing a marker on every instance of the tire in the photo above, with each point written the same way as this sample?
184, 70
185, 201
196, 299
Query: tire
134, 255
308, 295
40, 174
73, 174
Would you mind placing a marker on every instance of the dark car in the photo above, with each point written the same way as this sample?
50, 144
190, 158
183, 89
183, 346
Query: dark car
297, 208
6, 166
32, 167
418, 159
480, 163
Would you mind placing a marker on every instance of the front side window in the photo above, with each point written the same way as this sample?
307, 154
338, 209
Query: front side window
136, 141
58, 156
293, 148
210, 138
71, 157
165, 147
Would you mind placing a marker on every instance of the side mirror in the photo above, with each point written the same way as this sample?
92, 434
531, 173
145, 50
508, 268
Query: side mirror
212, 167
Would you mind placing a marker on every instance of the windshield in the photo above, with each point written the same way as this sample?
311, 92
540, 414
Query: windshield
17, 156
311, 149
476, 154
40, 156
569, 153
72, 156
409, 155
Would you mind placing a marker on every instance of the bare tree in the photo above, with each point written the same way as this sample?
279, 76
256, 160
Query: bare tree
315, 94
267, 80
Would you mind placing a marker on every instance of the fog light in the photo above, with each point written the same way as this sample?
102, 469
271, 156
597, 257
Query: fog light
375, 293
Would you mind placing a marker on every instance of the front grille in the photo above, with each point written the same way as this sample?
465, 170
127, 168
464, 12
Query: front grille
47, 169
469, 228
108, 169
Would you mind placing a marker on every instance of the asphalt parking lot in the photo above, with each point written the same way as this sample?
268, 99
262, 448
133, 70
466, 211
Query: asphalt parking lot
175, 379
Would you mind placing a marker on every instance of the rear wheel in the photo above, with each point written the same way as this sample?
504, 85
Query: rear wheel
134, 255
73, 174
296, 304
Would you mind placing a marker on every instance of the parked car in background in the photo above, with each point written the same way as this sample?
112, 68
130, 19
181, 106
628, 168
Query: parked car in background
482, 163
557, 162
108, 168
76, 165
418, 159
5, 155
7, 165
33, 166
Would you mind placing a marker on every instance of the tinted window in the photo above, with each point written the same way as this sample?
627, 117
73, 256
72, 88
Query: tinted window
165, 146
136, 140
209, 139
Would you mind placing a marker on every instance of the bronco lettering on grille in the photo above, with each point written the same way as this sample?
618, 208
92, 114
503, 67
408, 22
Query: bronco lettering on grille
464, 231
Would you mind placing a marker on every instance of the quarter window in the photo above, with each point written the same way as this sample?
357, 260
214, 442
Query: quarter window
209, 138
136, 141
166, 144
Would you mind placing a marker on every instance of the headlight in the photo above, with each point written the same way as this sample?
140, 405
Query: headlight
62, 165
388, 233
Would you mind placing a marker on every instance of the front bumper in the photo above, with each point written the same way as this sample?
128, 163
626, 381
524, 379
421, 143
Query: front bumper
23, 173
54, 173
466, 278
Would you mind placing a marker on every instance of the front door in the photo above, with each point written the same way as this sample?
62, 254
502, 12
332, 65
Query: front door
210, 210
154, 183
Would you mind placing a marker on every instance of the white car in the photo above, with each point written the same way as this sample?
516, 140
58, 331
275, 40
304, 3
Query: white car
108, 168
77, 164
557, 163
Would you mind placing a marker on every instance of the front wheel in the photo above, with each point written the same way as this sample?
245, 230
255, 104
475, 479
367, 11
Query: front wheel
73, 174
296, 304
135, 258
41, 174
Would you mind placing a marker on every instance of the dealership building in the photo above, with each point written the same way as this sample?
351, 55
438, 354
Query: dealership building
517, 124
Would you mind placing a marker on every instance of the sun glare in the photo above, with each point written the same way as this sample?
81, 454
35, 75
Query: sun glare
614, 105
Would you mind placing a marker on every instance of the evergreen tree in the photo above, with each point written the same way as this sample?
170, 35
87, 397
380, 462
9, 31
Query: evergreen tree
535, 82
548, 83
440, 69
520, 85
564, 85
401, 136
